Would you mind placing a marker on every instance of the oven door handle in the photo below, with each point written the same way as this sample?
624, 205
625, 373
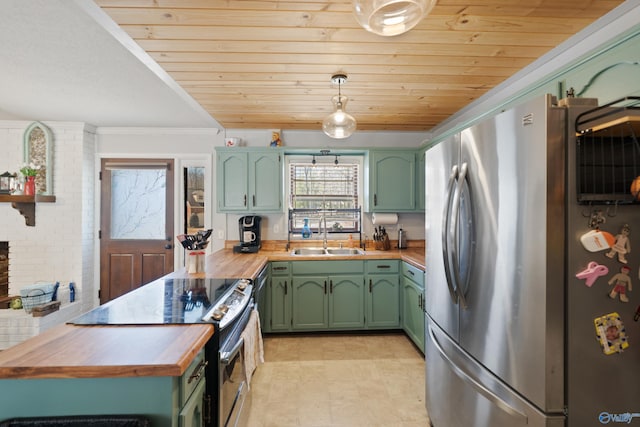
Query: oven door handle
228, 356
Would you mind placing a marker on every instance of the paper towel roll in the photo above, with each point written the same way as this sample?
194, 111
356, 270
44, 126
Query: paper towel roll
384, 218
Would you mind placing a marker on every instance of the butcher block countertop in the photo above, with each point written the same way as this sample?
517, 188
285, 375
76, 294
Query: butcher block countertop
225, 263
69, 351
72, 351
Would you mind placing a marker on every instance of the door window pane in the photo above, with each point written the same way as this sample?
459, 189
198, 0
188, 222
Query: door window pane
195, 200
138, 203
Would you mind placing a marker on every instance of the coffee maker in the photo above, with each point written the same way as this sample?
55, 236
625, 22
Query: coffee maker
249, 227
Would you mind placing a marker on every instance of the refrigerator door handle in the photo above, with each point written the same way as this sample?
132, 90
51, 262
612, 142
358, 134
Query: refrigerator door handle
446, 217
492, 397
455, 252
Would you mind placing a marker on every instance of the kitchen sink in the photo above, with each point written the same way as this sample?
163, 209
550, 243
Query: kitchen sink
328, 251
308, 251
344, 251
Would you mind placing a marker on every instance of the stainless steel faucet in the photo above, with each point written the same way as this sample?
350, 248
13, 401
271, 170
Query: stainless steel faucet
323, 219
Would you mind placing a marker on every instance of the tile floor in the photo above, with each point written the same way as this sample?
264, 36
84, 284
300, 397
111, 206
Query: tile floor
339, 380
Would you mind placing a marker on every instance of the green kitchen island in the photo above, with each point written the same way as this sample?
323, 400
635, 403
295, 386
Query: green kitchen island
105, 370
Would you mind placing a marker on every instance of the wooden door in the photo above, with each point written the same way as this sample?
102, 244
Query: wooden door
136, 224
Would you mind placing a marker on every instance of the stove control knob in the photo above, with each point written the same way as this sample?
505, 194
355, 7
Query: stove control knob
217, 315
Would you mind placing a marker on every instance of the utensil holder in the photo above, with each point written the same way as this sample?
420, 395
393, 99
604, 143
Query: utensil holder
195, 262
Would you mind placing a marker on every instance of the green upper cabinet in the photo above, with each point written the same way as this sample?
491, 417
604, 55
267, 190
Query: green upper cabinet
249, 180
392, 181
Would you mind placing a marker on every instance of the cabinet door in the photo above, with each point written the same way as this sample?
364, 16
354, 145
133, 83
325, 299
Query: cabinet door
393, 181
280, 303
192, 413
232, 181
412, 314
346, 302
265, 182
383, 301
310, 295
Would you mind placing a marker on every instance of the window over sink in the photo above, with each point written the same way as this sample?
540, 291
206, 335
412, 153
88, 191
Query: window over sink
324, 183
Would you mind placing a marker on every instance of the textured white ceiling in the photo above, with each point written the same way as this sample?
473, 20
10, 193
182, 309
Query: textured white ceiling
61, 60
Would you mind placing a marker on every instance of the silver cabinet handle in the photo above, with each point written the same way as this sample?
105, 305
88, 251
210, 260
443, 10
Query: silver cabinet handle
198, 371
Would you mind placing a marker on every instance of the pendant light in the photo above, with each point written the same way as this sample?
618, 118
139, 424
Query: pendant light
339, 124
391, 17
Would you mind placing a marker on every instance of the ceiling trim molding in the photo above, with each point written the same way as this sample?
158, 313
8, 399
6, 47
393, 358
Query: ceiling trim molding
156, 131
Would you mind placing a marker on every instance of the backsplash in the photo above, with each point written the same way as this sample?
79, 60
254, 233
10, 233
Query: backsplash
60, 247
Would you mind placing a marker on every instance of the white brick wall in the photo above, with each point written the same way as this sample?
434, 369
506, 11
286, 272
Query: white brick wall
61, 245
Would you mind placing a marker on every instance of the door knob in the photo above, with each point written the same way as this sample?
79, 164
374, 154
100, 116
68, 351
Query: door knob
168, 246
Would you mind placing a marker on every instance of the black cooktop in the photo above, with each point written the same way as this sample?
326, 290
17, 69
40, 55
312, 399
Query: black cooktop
163, 301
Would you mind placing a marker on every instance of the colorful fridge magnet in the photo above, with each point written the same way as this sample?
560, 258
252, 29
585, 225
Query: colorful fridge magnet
597, 240
592, 272
611, 333
622, 245
620, 281
636, 316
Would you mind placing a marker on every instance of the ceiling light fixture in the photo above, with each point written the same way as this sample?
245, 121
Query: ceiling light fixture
339, 124
391, 17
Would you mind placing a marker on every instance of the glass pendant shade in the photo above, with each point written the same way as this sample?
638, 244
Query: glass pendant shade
391, 17
339, 124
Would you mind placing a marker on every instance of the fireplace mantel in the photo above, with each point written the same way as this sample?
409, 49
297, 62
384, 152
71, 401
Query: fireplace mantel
26, 205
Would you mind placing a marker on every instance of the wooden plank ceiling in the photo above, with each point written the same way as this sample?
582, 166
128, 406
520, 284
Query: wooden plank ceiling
268, 64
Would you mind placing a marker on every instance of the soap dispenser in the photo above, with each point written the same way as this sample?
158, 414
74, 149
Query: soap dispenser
306, 230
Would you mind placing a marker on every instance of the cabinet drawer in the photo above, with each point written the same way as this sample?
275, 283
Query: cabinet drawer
280, 268
383, 266
327, 268
193, 410
413, 273
192, 377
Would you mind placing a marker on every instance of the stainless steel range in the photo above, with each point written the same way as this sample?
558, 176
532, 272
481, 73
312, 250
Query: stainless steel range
225, 303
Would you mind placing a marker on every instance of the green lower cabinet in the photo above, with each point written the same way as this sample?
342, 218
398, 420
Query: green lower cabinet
383, 301
383, 294
346, 302
328, 302
413, 305
310, 303
279, 302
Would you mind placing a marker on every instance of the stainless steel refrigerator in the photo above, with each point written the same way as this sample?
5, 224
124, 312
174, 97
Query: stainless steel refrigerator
510, 330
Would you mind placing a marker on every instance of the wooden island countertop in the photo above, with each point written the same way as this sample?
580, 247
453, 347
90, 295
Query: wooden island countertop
69, 351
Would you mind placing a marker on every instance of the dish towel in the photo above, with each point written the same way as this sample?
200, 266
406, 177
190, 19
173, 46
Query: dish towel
253, 346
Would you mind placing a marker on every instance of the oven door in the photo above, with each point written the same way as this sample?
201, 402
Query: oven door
232, 385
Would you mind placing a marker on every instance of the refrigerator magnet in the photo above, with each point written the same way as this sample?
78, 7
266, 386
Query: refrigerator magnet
622, 245
621, 282
597, 240
592, 272
611, 333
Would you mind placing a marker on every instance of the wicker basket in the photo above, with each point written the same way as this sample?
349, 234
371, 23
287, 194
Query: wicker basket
38, 294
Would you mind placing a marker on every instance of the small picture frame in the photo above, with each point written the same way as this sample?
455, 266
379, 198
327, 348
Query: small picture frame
276, 139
